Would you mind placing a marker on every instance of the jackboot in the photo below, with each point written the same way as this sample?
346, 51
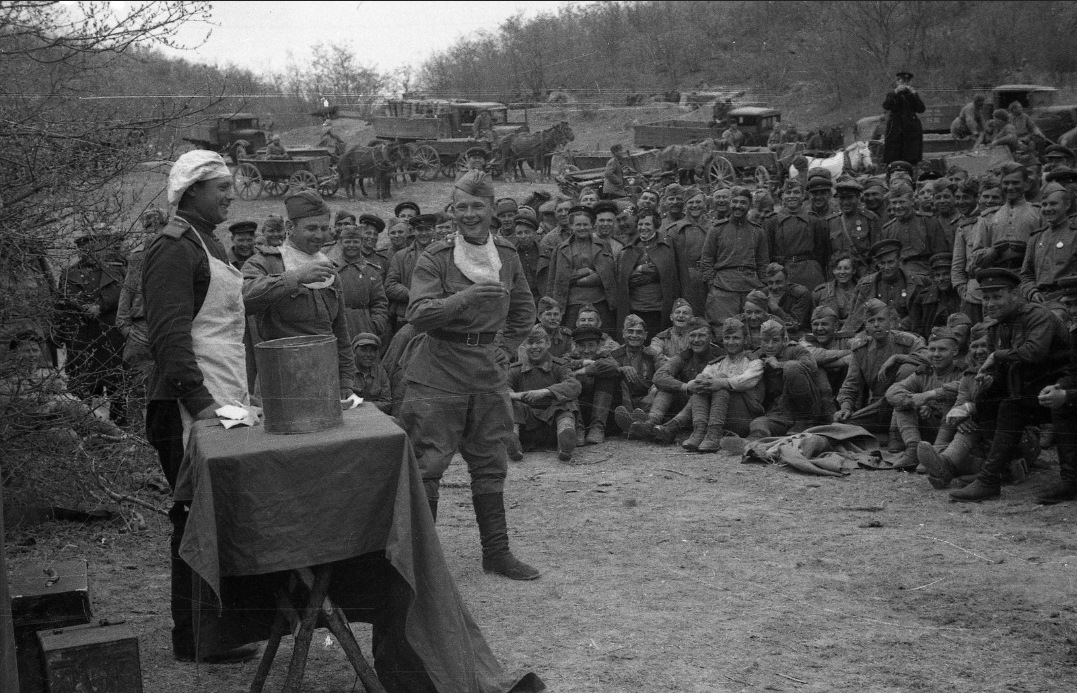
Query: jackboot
494, 535
433, 503
581, 433
1031, 446
566, 436
977, 491
988, 483
700, 405
600, 413
623, 418
667, 433
643, 430
1065, 489
939, 469
1048, 436
907, 423
712, 441
895, 444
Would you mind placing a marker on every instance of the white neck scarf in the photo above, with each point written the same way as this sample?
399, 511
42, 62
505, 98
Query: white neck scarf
294, 258
479, 263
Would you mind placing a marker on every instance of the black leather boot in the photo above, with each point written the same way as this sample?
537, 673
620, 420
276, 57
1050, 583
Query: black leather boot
494, 534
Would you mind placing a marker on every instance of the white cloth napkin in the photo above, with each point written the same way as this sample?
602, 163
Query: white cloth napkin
294, 258
479, 263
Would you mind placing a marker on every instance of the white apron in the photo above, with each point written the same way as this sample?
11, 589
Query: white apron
217, 339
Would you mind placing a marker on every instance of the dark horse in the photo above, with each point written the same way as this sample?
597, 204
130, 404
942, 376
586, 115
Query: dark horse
377, 160
534, 147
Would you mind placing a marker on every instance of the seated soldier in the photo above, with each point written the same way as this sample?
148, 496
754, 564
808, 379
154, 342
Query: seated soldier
34, 395
590, 317
792, 303
371, 381
952, 453
832, 353
731, 392
890, 284
637, 364
886, 357
1061, 398
792, 399
756, 305
599, 377
675, 382
672, 341
544, 396
921, 400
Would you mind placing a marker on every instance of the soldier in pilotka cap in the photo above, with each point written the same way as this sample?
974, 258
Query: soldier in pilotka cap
472, 302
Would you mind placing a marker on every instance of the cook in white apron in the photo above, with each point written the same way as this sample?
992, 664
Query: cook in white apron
217, 339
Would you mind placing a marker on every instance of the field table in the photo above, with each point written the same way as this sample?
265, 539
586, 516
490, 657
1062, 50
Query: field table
331, 527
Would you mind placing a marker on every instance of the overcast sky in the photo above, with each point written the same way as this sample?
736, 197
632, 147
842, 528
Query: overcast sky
386, 35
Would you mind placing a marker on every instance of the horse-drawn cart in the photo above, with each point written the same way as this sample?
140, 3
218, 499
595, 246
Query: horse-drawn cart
755, 165
276, 177
437, 133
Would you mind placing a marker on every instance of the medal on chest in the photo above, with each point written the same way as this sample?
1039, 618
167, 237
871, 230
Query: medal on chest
1059, 244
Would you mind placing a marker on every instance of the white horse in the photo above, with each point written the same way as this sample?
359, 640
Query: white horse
854, 159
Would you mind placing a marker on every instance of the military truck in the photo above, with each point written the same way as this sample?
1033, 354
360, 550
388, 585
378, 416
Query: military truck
220, 134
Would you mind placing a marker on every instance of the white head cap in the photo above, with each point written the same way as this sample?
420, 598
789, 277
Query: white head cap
192, 167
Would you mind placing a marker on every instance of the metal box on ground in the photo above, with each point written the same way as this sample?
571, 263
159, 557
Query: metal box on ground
97, 658
53, 596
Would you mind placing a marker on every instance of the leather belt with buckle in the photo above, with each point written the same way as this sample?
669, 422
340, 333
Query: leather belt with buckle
468, 338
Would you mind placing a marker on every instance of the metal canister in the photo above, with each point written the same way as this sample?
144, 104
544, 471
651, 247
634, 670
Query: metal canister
300, 384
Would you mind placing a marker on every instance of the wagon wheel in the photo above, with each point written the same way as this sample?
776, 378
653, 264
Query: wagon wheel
425, 162
274, 188
328, 186
721, 172
247, 181
303, 180
762, 177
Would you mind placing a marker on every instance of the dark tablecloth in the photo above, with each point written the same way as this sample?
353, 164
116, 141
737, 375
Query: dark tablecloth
352, 496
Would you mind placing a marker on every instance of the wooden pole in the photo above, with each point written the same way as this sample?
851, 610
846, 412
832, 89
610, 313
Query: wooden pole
9, 673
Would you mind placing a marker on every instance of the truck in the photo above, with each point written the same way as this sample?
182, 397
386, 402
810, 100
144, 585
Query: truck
222, 133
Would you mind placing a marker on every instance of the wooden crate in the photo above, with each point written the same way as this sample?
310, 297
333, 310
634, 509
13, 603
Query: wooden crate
96, 658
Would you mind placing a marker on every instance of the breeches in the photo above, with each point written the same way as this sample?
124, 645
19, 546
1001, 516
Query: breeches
439, 423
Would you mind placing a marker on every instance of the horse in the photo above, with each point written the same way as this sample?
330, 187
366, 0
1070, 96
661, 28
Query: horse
688, 159
534, 146
854, 159
376, 160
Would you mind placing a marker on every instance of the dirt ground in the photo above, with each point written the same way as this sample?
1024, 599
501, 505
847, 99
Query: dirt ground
664, 570
668, 571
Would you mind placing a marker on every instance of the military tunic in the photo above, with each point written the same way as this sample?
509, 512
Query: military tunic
689, 237
929, 307
921, 237
1012, 223
733, 259
1051, 253
375, 387
801, 243
865, 383
854, 235
366, 307
895, 294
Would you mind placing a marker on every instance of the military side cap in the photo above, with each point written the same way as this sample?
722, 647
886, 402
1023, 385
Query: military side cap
1050, 189
547, 207
848, 185
424, 221
1062, 174
477, 153
938, 333
372, 220
343, 217
874, 306
1057, 151
242, 226
1068, 286
673, 189
821, 312
365, 339
884, 247
505, 204
875, 182
587, 332
900, 166
537, 334
997, 278
528, 212
941, 260
904, 74
818, 183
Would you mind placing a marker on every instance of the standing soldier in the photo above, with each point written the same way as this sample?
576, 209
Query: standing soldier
613, 178
688, 234
798, 241
1031, 352
852, 230
890, 284
1050, 252
1061, 398
366, 309
734, 258
398, 282
472, 301
242, 249
1016, 220
91, 288
874, 199
920, 234
904, 140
